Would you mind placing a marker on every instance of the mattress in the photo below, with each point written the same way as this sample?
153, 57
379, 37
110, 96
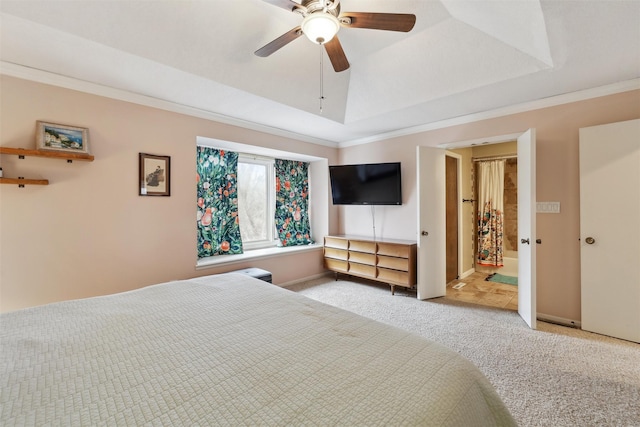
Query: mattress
229, 349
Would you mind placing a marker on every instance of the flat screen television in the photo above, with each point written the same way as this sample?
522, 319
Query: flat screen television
366, 184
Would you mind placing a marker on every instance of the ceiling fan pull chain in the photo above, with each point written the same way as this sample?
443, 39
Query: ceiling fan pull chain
321, 77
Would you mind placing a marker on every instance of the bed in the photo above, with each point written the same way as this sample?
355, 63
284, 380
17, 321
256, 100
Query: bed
229, 349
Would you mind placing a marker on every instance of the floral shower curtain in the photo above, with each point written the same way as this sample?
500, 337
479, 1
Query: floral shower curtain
217, 214
292, 202
490, 212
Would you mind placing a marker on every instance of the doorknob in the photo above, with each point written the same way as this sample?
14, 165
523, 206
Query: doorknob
424, 233
524, 241
590, 240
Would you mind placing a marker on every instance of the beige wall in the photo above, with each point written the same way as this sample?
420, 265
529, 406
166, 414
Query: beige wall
502, 149
558, 271
88, 232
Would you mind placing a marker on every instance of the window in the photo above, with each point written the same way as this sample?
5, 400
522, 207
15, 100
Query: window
255, 208
256, 201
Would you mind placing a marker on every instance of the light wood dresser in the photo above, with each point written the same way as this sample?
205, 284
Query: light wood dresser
388, 261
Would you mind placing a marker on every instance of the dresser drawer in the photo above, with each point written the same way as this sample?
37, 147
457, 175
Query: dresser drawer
401, 251
360, 246
393, 263
362, 270
336, 253
336, 265
334, 242
362, 258
394, 276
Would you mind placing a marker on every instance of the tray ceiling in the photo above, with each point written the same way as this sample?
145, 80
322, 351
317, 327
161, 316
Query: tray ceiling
461, 58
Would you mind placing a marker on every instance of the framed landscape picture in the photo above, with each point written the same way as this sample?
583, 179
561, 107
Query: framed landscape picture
155, 174
56, 137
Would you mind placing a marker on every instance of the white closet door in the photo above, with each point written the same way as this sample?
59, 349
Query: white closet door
610, 229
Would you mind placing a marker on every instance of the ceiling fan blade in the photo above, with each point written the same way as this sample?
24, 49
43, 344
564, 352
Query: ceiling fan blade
281, 41
290, 5
336, 55
380, 21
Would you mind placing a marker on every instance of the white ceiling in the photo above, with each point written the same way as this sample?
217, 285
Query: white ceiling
461, 58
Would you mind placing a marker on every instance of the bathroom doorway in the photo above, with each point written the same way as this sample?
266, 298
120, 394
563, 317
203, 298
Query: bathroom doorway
488, 276
431, 183
507, 234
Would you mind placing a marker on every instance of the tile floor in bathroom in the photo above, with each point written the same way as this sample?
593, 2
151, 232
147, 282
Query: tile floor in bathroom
479, 291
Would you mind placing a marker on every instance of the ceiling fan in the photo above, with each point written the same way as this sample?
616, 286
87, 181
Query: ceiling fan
322, 20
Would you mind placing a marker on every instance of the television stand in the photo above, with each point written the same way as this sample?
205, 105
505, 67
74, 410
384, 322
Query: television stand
383, 260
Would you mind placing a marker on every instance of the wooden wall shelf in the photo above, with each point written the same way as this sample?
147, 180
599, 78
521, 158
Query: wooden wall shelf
21, 182
22, 152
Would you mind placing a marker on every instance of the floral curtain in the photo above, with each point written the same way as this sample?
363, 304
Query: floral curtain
490, 212
292, 202
217, 214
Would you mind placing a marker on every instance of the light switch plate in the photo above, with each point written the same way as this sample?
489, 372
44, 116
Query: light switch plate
548, 207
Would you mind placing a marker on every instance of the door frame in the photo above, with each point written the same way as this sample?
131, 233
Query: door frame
458, 157
496, 140
499, 139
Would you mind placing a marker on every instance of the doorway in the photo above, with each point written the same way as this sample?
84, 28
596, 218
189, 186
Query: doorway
432, 220
481, 280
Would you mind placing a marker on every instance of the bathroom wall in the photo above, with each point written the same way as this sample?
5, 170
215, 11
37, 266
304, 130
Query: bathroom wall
511, 205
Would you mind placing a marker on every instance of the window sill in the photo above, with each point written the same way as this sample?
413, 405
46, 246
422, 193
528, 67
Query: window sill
217, 261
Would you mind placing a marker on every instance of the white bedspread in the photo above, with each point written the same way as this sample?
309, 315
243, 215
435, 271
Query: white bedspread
229, 350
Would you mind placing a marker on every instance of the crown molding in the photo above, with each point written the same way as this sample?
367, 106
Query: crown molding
551, 101
46, 77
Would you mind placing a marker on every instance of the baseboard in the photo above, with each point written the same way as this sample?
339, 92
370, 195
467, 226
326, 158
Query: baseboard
559, 320
467, 273
305, 279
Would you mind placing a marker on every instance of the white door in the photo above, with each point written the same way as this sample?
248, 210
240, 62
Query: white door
431, 223
527, 227
610, 229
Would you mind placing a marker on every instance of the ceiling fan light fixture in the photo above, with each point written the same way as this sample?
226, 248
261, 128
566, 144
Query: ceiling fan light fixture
320, 27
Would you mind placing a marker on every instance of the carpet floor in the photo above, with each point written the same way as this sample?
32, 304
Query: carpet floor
552, 376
